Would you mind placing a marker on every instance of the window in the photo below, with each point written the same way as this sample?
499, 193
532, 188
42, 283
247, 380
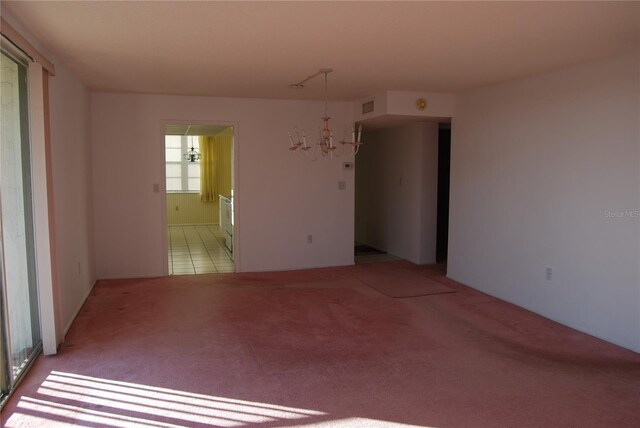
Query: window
20, 338
182, 176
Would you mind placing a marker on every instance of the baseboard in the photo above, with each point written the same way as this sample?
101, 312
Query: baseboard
541, 312
143, 276
296, 268
75, 315
193, 224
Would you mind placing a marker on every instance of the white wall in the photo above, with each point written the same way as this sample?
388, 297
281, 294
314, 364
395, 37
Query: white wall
429, 193
70, 112
402, 104
536, 165
396, 189
70, 117
279, 199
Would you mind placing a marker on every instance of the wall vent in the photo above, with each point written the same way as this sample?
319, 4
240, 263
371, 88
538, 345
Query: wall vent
367, 107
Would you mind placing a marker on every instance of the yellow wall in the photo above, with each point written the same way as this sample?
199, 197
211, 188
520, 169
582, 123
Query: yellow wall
190, 210
186, 208
224, 170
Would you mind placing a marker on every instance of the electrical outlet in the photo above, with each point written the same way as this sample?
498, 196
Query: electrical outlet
548, 274
309, 239
177, 208
342, 185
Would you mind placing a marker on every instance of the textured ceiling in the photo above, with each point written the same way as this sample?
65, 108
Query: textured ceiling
256, 49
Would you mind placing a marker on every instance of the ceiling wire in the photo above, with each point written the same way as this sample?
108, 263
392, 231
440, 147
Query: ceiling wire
300, 84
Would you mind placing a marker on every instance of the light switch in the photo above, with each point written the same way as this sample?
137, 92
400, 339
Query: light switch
156, 187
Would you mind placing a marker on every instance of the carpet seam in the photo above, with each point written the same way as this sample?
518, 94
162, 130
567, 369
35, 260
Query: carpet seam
400, 297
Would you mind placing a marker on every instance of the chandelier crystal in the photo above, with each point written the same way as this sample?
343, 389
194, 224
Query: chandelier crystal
192, 154
325, 145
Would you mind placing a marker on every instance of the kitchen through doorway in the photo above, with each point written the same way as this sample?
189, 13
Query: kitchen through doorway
199, 187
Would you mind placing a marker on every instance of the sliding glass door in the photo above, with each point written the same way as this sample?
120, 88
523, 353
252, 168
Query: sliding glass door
20, 324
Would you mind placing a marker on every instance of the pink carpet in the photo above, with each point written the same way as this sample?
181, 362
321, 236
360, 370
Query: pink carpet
320, 348
398, 279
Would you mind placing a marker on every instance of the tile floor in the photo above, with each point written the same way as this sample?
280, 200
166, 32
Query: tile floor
195, 249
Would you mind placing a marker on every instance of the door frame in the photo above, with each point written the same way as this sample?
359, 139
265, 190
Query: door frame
236, 199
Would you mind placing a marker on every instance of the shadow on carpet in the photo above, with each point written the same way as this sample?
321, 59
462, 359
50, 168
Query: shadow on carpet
365, 250
398, 280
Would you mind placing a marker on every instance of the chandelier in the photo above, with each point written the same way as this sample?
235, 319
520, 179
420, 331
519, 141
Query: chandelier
192, 154
325, 145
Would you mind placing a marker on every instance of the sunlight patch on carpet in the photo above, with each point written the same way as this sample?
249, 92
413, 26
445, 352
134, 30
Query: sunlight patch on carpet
67, 398
359, 423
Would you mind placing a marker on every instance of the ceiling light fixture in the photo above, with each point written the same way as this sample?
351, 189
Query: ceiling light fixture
192, 155
325, 145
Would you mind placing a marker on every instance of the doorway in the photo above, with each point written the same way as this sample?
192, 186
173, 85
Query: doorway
199, 185
402, 192
444, 172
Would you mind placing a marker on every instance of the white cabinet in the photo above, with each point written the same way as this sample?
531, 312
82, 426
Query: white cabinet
226, 221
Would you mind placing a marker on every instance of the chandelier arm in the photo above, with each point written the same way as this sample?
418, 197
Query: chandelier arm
315, 153
309, 155
326, 147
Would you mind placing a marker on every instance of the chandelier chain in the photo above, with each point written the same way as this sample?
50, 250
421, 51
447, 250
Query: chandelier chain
325, 94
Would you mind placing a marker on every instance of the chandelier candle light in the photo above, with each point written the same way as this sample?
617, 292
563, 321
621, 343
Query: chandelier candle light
325, 144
